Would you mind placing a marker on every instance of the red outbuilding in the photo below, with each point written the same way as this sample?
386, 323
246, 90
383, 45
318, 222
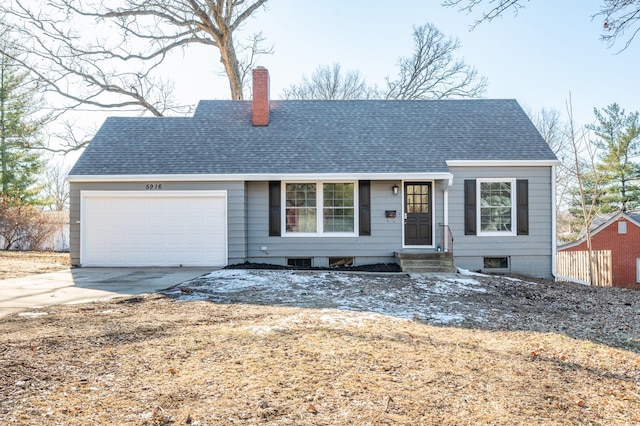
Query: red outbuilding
619, 234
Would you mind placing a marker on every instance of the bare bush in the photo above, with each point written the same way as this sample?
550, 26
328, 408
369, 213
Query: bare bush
23, 227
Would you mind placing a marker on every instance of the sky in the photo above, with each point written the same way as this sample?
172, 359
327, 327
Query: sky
547, 51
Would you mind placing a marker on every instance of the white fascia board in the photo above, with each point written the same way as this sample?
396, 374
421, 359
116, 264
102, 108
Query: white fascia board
260, 177
502, 163
152, 194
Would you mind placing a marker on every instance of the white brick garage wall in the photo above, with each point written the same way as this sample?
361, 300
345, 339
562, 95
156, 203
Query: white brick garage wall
153, 228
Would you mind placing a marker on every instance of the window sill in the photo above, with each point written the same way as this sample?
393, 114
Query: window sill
318, 235
496, 234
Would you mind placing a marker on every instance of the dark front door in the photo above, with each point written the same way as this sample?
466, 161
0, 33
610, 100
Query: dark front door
417, 214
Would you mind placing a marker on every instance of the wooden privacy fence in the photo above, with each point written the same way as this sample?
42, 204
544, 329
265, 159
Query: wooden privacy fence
574, 266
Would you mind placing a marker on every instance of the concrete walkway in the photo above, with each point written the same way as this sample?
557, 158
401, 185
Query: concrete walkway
81, 285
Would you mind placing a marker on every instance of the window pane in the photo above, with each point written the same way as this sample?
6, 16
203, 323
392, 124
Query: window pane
338, 194
301, 194
495, 206
338, 220
301, 220
495, 219
300, 207
338, 213
417, 198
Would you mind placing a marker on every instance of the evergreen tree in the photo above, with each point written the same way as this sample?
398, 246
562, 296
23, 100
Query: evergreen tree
618, 138
20, 164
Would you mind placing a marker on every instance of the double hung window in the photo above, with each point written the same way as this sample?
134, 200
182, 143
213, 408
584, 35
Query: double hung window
320, 208
496, 201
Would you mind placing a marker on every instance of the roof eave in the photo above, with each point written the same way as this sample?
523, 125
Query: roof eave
259, 177
502, 163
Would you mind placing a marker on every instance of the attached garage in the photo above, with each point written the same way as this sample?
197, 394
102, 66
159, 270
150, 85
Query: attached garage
153, 228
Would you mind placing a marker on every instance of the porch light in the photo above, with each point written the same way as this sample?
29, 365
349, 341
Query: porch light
395, 189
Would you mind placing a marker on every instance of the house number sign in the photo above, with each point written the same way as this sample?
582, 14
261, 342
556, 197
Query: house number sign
152, 186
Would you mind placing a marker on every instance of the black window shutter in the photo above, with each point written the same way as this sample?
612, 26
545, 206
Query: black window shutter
522, 205
274, 209
364, 206
470, 207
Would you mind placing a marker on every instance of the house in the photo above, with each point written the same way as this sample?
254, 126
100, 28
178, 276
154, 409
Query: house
318, 183
619, 235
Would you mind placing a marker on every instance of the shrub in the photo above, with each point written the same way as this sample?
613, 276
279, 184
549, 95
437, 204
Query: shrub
22, 226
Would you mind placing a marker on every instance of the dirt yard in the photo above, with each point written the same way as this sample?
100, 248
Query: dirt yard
301, 348
19, 263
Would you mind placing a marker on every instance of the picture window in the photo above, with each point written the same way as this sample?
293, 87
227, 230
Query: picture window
320, 208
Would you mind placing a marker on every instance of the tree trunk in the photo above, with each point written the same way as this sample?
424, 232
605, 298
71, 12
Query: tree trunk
230, 62
3, 136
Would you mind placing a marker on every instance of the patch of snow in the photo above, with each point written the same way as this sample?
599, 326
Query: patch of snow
446, 318
512, 279
343, 298
468, 272
32, 314
469, 281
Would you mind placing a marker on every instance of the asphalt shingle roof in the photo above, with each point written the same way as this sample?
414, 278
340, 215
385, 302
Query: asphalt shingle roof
369, 136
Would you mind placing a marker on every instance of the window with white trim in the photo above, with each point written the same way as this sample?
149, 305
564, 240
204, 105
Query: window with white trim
622, 227
496, 206
315, 208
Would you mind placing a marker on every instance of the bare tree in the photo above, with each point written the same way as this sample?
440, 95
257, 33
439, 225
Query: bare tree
587, 180
496, 8
56, 187
70, 135
328, 83
619, 17
431, 72
119, 67
556, 133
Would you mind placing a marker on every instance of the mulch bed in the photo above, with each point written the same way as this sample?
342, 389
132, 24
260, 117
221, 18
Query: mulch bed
377, 267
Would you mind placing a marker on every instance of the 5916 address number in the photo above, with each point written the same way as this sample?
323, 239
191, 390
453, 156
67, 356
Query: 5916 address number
152, 186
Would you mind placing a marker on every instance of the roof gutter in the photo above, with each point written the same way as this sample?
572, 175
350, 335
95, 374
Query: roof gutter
260, 177
502, 163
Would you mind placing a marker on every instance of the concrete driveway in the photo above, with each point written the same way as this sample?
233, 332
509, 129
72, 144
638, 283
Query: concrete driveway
81, 285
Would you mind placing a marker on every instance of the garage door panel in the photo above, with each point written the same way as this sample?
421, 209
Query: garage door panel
131, 228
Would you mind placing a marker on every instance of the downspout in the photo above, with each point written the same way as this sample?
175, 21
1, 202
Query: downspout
445, 202
554, 222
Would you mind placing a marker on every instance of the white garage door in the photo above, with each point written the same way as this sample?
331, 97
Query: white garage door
153, 228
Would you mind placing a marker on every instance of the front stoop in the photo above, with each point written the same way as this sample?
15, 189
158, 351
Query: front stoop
426, 262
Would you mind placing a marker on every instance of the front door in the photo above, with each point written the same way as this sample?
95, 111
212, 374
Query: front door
417, 214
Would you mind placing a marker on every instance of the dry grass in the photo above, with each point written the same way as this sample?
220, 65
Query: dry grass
22, 263
152, 360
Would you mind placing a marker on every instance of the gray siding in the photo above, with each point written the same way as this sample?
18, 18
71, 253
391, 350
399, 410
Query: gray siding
248, 224
529, 254
385, 235
236, 210
385, 238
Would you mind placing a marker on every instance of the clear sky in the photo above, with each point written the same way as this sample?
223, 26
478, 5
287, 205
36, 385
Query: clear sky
549, 49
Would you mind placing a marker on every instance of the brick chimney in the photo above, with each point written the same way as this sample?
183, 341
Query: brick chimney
260, 109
